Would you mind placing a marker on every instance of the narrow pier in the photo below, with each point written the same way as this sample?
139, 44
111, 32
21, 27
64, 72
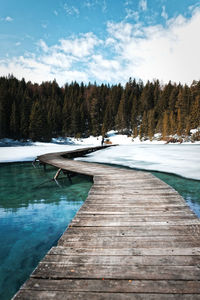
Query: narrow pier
133, 238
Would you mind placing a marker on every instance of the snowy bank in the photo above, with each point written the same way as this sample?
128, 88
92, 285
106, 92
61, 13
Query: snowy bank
180, 159
29, 153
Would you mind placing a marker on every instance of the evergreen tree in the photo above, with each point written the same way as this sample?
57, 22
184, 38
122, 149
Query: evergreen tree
95, 116
143, 132
67, 107
172, 123
195, 113
121, 117
165, 127
38, 128
15, 122
183, 106
151, 123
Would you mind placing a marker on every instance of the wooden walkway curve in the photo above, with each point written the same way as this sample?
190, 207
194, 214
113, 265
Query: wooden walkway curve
133, 238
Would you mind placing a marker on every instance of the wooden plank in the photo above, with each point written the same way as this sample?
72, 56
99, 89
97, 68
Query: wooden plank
128, 239
124, 252
133, 212
130, 260
56, 271
95, 208
114, 286
132, 218
63, 295
167, 230
124, 245
118, 223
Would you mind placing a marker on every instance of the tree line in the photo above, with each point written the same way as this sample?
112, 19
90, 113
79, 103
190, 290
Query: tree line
40, 112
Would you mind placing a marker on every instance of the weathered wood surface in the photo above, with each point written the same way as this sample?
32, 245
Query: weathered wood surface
133, 238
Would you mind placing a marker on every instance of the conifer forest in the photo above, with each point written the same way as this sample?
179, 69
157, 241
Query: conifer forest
40, 112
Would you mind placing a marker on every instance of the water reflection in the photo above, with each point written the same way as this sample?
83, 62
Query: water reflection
22, 185
33, 216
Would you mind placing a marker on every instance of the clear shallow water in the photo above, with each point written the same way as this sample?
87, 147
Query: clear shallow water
33, 216
189, 189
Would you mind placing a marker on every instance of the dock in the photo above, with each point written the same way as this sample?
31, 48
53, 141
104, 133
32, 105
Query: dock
134, 238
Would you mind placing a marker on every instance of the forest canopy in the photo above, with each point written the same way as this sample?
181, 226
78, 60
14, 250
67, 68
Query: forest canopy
40, 112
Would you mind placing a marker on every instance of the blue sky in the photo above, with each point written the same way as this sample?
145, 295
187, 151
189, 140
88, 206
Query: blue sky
100, 40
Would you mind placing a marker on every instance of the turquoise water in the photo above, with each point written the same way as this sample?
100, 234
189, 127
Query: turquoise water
189, 189
34, 212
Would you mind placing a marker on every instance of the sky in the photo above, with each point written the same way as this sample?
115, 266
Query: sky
103, 41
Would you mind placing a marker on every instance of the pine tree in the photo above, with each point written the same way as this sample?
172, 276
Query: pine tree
66, 116
95, 116
15, 122
121, 117
165, 127
38, 128
195, 113
143, 132
183, 107
151, 123
172, 123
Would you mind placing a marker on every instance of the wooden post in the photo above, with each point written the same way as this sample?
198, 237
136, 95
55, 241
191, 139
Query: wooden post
57, 174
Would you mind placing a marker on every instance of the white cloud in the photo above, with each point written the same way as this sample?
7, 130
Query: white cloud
131, 14
42, 69
43, 45
104, 69
128, 2
88, 4
165, 53
7, 19
44, 25
164, 14
17, 44
91, 4
120, 31
143, 5
71, 10
104, 6
79, 47
55, 13
58, 61
193, 7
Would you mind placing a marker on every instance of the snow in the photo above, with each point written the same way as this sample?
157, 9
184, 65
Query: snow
193, 131
181, 159
29, 153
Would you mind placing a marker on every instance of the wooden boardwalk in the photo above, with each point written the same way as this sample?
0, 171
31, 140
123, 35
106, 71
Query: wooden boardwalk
133, 238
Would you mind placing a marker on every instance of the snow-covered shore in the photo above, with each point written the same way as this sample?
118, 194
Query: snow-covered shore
181, 159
